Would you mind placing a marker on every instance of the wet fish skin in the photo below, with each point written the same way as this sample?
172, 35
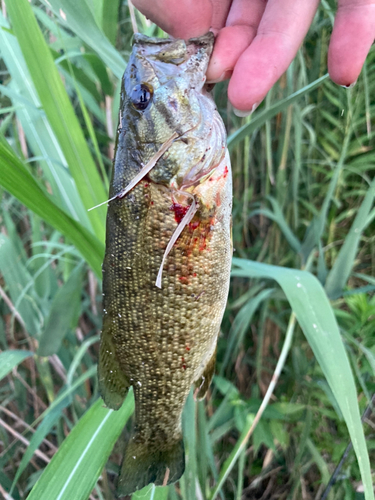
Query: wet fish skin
161, 341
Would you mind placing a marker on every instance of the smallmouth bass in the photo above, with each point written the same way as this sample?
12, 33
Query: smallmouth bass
172, 229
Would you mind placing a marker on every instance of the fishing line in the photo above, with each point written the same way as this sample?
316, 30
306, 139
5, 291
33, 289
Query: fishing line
184, 222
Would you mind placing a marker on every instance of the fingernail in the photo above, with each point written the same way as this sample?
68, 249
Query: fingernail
225, 75
241, 113
349, 86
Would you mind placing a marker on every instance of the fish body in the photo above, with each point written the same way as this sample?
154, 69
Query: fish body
163, 340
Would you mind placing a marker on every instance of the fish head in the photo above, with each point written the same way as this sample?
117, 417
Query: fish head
164, 92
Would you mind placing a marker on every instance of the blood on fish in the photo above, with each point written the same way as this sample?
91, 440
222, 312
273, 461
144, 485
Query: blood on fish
179, 211
194, 224
224, 175
218, 199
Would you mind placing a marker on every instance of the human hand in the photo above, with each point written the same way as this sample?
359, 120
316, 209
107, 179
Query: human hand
257, 40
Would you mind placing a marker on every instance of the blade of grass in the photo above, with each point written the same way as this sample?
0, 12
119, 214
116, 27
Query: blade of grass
24, 302
251, 420
344, 262
39, 134
315, 316
241, 324
64, 313
10, 359
66, 394
151, 493
315, 230
188, 482
78, 17
44, 428
20, 183
110, 18
273, 110
233, 457
278, 216
50, 418
74, 470
58, 109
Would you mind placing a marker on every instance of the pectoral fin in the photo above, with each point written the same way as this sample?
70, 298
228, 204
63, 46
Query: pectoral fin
113, 384
204, 382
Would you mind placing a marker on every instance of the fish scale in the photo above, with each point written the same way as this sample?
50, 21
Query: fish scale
162, 340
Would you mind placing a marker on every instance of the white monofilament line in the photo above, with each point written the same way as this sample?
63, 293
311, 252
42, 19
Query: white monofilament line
144, 171
184, 222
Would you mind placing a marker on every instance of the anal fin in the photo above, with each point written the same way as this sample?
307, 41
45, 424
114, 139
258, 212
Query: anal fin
204, 381
113, 384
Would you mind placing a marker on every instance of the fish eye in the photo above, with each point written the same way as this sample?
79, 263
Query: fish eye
141, 96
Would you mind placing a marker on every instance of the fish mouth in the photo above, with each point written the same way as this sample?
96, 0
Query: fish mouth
206, 41
171, 57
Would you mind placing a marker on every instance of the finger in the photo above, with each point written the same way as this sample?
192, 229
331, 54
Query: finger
220, 9
179, 18
241, 27
352, 36
281, 31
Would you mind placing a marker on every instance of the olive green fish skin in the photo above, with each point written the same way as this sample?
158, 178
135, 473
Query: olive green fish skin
161, 341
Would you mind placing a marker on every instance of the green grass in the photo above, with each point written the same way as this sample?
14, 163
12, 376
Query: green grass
301, 304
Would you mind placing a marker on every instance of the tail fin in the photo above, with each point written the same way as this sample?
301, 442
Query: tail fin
144, 464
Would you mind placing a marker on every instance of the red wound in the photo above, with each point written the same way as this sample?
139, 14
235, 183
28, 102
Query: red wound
194, 225
179, 211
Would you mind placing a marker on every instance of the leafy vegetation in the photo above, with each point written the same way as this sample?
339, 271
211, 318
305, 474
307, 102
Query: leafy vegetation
296, 357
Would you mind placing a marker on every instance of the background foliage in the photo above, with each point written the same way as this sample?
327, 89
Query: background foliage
302, 296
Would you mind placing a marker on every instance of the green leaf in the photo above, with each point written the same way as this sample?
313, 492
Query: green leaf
79, 74
36, 439
101, 72
273, 110
315, 230
319, 460
74, 470
278, 216
20, 183
64, 397
151, 492
64, 313
18, 278
233, 457
10, 359
58, 109
241, 324
78, 17
344, 262
40, 137
188, 482
315, 316
50, 417
110, 19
